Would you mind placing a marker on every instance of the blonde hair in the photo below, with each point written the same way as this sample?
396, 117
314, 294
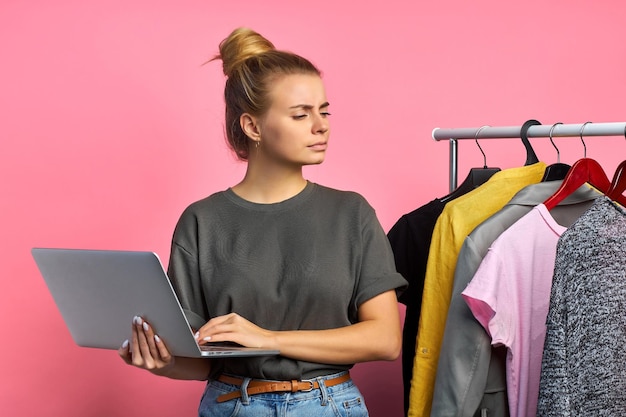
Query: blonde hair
251, 63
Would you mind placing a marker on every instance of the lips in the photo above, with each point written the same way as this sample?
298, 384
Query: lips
319, 146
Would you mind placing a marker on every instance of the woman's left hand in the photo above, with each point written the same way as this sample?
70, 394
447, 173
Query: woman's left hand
146, 350
234, 328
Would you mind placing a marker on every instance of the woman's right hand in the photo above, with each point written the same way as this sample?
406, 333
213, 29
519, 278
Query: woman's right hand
146, 350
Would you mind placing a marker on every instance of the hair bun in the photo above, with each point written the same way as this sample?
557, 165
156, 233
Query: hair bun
240, 45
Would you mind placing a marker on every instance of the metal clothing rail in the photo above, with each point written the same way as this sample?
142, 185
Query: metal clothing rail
511, 132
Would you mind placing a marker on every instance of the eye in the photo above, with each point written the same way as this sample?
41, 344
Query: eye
299, 116
325, 114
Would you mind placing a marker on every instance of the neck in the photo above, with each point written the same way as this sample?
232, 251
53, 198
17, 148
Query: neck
270, 187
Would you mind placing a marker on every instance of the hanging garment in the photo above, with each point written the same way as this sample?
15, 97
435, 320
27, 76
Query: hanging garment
470, 373
458, 219
410, 240
509, 296
583, 371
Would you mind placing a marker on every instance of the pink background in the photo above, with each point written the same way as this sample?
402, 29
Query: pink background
110, 126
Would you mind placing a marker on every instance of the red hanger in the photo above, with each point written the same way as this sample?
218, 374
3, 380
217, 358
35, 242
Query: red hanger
585, 170
618, 186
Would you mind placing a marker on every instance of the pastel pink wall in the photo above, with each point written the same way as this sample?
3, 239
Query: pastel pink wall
110, 126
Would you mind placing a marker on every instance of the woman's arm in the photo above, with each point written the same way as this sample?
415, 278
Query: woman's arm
147, 351
376, 336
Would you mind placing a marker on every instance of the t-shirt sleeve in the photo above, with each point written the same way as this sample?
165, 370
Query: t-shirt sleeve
377, 273
485, 295
183, 271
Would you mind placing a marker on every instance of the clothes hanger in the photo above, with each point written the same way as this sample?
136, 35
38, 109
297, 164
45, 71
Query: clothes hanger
476, 176
531, 156
618, 185
559, 170
585, 170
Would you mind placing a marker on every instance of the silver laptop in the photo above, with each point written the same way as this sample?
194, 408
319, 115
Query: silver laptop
98, 292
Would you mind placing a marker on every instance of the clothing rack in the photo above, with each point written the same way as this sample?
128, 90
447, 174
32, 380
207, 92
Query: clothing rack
510, 132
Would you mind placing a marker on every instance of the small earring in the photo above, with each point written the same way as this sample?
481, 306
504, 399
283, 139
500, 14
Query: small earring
257, 143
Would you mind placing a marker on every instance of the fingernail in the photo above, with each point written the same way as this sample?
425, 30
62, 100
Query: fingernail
145, 326
137, 320
206, 339
125, 344
157, 338
196, 335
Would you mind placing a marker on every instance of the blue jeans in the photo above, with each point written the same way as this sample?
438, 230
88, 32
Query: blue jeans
341, 400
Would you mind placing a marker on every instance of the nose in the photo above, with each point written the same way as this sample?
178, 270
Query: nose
321, 124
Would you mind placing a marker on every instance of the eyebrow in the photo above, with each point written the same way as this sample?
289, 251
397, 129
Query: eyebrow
308, 106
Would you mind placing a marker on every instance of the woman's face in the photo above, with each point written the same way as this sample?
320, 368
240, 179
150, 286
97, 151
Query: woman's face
295, 129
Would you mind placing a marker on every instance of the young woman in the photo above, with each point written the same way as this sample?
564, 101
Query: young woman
277, 261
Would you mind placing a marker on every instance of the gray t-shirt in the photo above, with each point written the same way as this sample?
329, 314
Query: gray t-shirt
306, 263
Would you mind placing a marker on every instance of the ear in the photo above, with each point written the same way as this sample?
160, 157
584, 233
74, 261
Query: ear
250, 126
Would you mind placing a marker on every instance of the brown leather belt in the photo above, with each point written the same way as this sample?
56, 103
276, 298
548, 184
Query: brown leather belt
259, 387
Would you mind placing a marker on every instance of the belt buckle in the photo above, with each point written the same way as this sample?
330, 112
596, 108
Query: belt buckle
311, 388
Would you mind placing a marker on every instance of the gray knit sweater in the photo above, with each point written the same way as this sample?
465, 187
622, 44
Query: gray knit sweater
584, 360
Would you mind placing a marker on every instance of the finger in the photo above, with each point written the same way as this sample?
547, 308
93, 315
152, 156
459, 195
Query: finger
220, 333
149, 335
124, 351
227, 333
216, 326
219, 320
164, 353
145, 337
138, 343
